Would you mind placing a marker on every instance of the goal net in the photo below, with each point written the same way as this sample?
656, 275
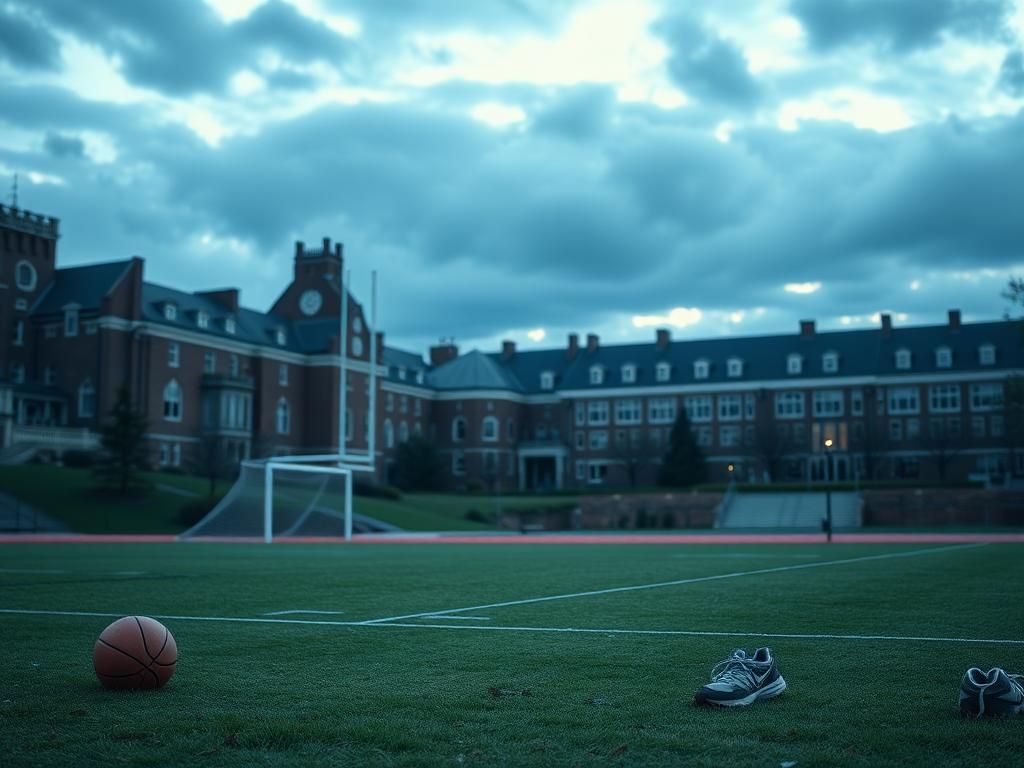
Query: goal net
280, 499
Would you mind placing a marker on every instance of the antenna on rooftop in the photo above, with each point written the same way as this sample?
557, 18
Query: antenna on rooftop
14, 192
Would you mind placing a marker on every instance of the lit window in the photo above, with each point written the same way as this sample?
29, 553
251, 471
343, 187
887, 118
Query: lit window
663, 372
987, 354
943, 357
794, 364
903, 359
701, 368
734, 367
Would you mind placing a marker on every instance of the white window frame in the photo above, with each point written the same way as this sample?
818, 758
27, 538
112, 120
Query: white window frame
701, 369
730, 407
209, 362
629, 373
230, 326
203, 319
173, 401
661, 410
903, 400
830, 362
943, 357
663, 371
459, 429
173, 354
699, 408
827, 403
987, 354
596, 374
33, 277
71, 321
597, 413
944, 398
987, 396
281, 337
170, 311
628, 411
730, 435
794, 364
547, 380
489, 429
789, 404
597, 440
597, 472
904, 360
734, 367
282, 417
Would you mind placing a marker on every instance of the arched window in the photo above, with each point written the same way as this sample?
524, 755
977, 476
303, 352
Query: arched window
489, 429
389, 434
86, 400
172, 401
25, 276
458, 429
283, 417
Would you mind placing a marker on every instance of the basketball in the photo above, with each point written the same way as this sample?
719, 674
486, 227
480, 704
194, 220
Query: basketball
135, 652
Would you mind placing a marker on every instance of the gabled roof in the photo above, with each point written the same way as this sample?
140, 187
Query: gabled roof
474, 370
86, 286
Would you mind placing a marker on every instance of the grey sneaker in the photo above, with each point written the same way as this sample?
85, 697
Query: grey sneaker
991, 693
742, 680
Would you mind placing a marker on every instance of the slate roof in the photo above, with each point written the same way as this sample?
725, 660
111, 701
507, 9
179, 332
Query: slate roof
474, 370
85, 286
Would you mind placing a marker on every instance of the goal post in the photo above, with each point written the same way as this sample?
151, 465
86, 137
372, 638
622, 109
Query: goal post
311, 505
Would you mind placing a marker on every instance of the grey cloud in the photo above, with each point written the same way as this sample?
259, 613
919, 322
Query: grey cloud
1011, 73
706, 65
579, 113
25, 41
61, 145
901, 26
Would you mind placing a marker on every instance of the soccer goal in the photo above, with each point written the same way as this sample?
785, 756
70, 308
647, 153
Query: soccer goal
276, 499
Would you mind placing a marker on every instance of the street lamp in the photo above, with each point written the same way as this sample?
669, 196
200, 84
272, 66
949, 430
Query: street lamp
827, 523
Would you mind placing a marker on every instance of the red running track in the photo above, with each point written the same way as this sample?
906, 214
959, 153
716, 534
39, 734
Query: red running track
551, 538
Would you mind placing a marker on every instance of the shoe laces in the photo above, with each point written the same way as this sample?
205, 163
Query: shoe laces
1016, 682
736, 670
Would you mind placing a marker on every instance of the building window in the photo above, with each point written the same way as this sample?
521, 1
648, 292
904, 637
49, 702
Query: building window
19, 333
734, 367
581, 440
229, 325
389, 402
597, 473
628, 412
86, 400
977, 426
830, 362
598, 440
943, 357
581, 470
18, 373
458, 429
701, 369
403, 404
828, 403
458, 463
986, 397
698, 407
895, 430
789, 405
90, 327
173, 354
235, 366
903, 400
403, 432
210, 362
282, 374
857, 402
389, 434
417, 407
164, 454
729, 436
597, 412
547, 380
661, 410
596, 374
203, 319
172, 401
944, 398
913, 430
283, 417
170, 311
987, 354
25, 276
489, 429
176, 454
70, 322
730, 407
749, 407
281, 337
628, 373
794, 365
704, 437
663, 371
903, 359
49, 375
580, 414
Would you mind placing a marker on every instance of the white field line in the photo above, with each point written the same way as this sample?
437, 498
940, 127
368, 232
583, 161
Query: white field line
459, 618
31, 570
557, 630
746, 556
288, 613
679, 582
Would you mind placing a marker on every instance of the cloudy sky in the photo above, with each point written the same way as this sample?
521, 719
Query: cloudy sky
524, 169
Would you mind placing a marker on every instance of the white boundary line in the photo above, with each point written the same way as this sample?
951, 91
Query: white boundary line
556, 630
679, 582
285, 613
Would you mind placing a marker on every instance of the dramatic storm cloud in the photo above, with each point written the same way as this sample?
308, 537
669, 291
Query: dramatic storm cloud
525, 169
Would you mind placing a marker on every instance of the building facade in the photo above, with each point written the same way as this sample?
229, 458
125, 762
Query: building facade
215, 379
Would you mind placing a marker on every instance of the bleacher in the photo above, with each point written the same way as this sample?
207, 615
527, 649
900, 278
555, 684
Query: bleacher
789, 510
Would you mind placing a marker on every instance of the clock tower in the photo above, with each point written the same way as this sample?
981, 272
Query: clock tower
314, 291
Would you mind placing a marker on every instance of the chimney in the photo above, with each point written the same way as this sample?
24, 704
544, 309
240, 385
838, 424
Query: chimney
508, 350
886, 325
442, 353
954, 319
592, 343
806, 327
300, 249
573, 348
663, 338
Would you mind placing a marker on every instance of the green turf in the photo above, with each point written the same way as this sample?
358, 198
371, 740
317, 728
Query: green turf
462, 694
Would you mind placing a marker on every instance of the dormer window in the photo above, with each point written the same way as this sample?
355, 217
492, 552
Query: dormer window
281, 337
628, 373
229, 325
943, 357
903, 359
663, 372
794, 364
71, 321
734, 367
547, 380
170, 311
830, 362
987, 354
701, 369
202, 318
596, 374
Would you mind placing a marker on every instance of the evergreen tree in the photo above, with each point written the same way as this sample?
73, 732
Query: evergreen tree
683, 464
418, 465
122, 438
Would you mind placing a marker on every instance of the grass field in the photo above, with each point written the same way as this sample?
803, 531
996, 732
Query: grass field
872, 640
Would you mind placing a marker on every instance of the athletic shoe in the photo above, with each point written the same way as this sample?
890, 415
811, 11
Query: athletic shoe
742, 679
991, 693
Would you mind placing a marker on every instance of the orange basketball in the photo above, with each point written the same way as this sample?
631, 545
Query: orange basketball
135, 652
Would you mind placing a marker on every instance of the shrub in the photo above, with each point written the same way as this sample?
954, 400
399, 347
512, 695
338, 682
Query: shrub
79, 459
361, 487
476, 516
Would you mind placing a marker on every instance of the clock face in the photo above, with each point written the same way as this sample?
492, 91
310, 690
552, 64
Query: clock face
310, 301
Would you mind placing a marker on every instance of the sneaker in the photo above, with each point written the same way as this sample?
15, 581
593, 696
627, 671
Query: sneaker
742, 680
991, 693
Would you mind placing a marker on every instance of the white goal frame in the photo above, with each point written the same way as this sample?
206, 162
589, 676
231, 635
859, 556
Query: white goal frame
294, 466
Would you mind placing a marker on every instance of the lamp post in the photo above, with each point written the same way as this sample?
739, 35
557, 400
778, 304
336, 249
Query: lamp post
828, 489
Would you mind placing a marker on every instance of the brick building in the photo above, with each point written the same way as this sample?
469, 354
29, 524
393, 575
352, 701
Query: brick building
896, 402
